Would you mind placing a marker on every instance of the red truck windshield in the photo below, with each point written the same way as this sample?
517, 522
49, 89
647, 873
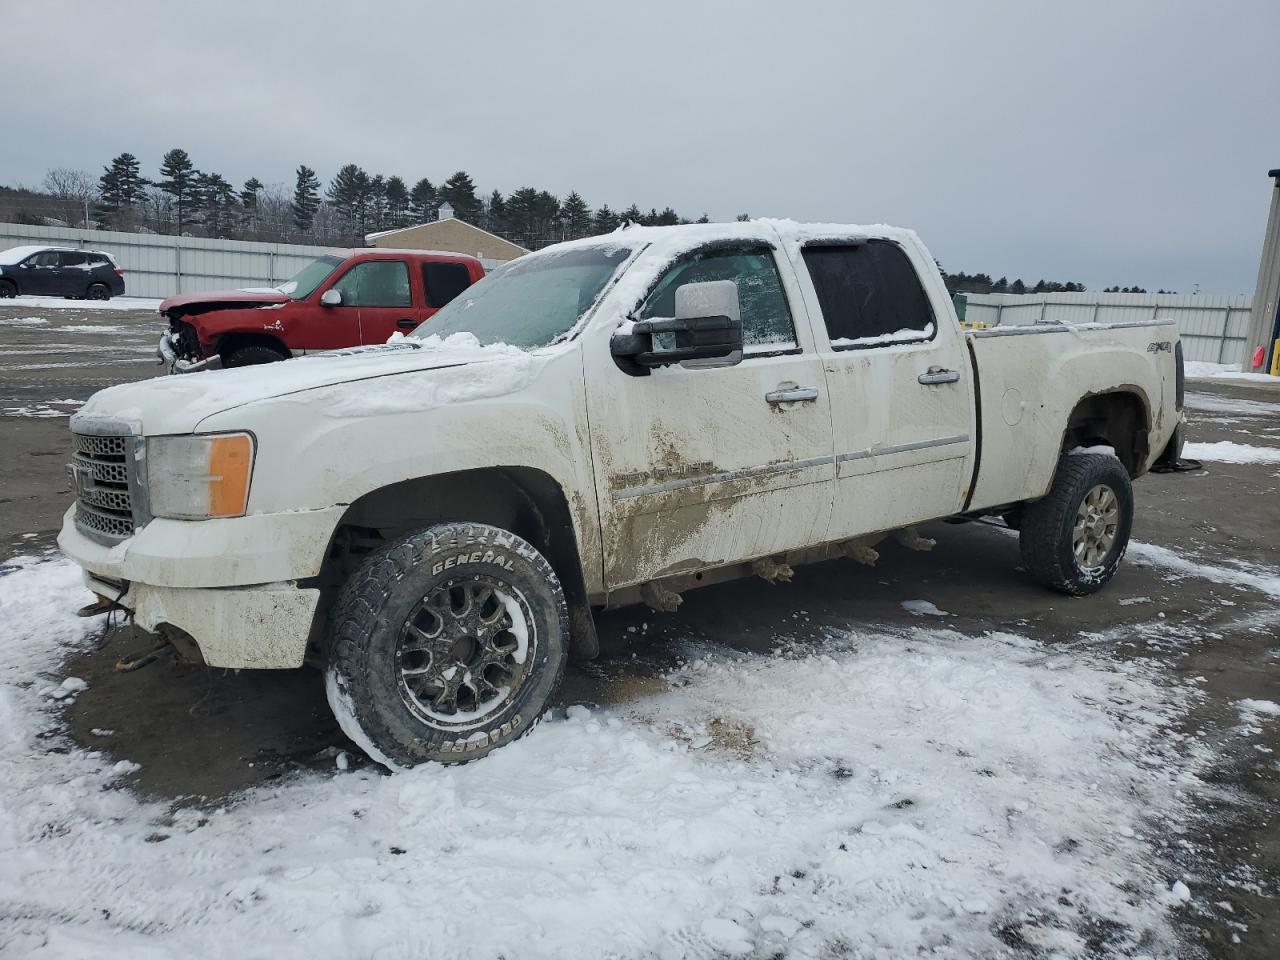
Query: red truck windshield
306, 280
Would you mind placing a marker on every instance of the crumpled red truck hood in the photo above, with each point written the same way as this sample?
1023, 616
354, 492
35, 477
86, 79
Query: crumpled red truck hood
229, 298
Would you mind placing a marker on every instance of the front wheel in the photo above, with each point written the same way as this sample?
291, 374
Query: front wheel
1073, 539
8, 290
447, 644
98, 291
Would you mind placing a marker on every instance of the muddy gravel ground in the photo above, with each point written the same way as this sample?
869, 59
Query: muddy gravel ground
202, 735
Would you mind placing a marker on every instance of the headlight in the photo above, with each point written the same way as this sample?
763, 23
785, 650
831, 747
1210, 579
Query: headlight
198, 478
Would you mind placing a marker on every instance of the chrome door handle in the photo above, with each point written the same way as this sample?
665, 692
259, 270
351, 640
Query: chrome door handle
938, 375
792, 395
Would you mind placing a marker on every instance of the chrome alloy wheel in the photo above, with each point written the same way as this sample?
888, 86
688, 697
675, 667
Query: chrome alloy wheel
464, 651
1094, 534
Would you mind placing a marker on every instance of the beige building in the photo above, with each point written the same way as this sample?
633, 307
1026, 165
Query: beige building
451, 235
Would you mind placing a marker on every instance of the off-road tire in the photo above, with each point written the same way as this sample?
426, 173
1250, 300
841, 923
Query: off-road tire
251, 355
8, 290
98, 291
364, 678
1047, 535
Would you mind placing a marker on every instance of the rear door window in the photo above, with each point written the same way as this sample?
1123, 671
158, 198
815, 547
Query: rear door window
376, 283
73, 259
444, 281
869, 293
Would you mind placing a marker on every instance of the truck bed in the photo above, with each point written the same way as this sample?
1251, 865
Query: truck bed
1021, 373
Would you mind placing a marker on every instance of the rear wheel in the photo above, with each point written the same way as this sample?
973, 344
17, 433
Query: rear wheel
1073, 539
98, 291
447, 644
251, 354
8, 289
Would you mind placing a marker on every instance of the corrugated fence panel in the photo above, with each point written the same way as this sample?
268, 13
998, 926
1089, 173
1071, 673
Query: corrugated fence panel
1212, 327
160, 266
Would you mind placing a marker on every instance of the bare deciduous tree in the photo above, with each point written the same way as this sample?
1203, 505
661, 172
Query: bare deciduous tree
74, 193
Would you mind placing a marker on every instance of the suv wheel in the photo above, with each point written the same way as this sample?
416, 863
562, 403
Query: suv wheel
8, 289
448, 643
98, 291
1073, 539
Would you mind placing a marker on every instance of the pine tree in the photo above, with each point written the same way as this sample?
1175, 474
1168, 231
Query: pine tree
376, 216
249, 202
460, 193
703, 219
423, 202
397, 198
181, 180
605, 220
349, 194
576, 216
306, 198
495, 214
1018, 286
216, 198
121, 184
632, 215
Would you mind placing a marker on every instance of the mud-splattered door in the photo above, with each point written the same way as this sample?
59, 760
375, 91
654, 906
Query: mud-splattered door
698, 468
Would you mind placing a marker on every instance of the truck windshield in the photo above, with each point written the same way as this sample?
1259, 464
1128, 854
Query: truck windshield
306, 280
532, 301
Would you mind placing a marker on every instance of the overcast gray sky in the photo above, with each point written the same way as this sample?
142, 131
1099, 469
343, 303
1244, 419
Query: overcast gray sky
1107, 142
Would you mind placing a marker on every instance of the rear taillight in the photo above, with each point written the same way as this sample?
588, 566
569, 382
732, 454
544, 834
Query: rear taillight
1180, 378
119, 272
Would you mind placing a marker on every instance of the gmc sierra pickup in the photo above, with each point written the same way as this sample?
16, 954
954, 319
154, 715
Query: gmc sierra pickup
607, 421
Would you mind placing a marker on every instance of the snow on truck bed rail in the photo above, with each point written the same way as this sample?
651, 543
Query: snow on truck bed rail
872, 793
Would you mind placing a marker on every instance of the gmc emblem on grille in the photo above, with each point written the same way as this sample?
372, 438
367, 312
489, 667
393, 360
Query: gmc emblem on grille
81, 478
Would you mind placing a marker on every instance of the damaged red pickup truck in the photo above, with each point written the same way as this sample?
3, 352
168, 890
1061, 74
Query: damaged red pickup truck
348, 299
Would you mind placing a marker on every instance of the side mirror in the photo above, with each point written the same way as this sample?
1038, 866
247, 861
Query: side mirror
331, 298
707, 331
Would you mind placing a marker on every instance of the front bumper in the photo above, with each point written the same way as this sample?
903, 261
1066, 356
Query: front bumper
243, 628
167, 354
231, 584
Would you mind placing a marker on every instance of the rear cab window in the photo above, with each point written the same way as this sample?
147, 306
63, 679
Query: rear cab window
869, 293
767, 326
444, 281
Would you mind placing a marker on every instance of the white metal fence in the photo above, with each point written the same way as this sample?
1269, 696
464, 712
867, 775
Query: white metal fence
160, 266
1213, 328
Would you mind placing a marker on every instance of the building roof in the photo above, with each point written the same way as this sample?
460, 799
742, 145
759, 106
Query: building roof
369, 238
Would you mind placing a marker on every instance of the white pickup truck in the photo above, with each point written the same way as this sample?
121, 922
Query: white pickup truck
604, 422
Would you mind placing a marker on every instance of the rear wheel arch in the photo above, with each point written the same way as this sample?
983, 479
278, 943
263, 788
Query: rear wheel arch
1119, 418
525, 501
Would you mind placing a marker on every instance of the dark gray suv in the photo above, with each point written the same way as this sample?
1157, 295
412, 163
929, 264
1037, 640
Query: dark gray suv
59, 272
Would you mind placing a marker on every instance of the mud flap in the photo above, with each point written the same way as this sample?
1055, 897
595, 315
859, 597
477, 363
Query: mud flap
1170, 459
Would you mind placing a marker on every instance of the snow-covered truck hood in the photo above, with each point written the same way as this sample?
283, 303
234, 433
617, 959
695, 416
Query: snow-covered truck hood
177, 404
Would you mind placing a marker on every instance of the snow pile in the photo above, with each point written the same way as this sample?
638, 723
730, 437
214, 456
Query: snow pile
873, 794
1225, 451
22, 321
923, 608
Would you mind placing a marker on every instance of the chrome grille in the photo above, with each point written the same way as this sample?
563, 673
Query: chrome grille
99, 473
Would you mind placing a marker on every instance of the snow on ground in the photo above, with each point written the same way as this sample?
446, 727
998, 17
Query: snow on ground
1243, 576
41, 408
1226, 451
1204, 370
61, 303
870, 794
22, 321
